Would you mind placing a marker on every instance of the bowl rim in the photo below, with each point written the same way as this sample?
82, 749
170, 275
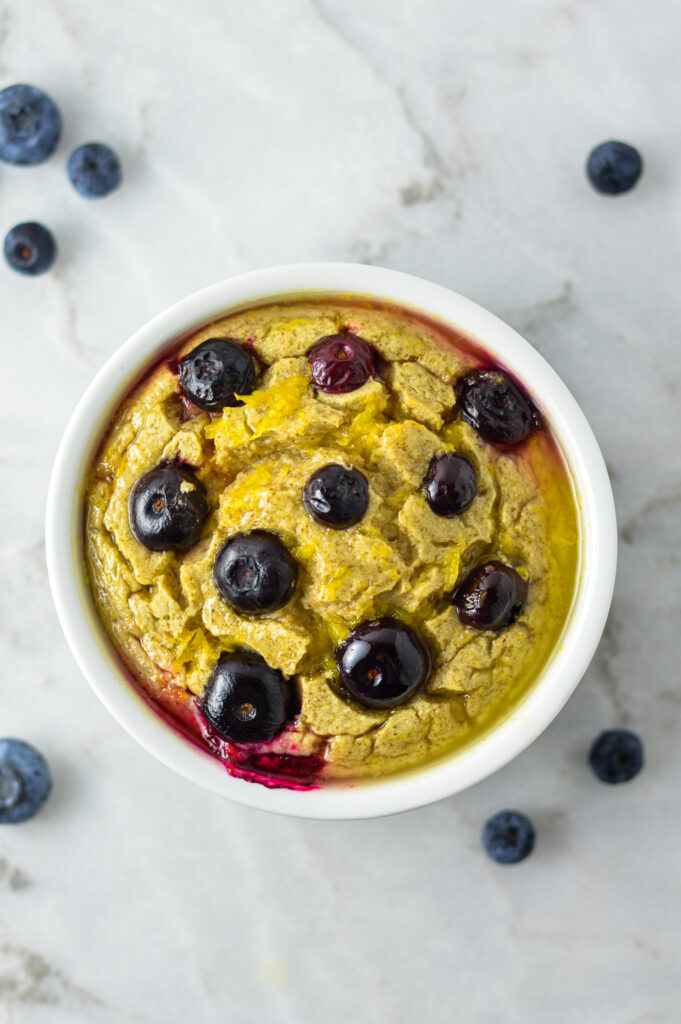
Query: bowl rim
486, 754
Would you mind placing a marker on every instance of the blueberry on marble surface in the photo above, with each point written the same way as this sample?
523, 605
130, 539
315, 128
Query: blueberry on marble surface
255, 572
614, 167
508, 837
30, 248
25, 781
30, 125
215, 372
382, 663
616, 756
167, 508
246, 700
94, 170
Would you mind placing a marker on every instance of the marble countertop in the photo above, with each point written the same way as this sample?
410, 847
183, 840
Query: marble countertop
442, 138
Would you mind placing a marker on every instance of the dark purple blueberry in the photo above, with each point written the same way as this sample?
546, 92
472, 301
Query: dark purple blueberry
30, 248
215, 372
25, 781
508, 837
491, 597
336, 496
94, 170
30, 125
245, 700
616, 756
450, 484
614, 167
167, 508
254, 572
382, 663
497, 407
341, 362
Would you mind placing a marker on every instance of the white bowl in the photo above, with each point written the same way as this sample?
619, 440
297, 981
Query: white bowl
92, 649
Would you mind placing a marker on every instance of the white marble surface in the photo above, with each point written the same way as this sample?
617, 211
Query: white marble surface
445, 138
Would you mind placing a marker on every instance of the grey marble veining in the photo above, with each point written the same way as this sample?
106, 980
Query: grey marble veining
442, 138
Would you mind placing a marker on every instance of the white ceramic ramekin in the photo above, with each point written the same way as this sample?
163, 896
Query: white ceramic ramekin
91, 647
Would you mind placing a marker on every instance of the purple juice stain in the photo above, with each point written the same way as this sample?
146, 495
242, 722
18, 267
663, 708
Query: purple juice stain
253, 762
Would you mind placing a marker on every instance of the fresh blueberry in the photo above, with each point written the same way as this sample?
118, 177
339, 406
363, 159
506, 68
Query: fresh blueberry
614, 167
25, 781
215, 372
167, 508
30, 248
508, 837
491, 597
94, 170
341, 363
254, 572
450, 484
382, 663
336, 496
30, 125
496, 406
246, 700
616, 756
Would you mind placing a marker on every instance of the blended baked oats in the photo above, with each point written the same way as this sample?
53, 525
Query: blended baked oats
331, 540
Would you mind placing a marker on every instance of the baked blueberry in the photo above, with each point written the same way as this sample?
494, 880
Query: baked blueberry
167, 508
30, 248
246, 700
382, 663
341, 363
30, 125
450, 484
508, 837
254, 572
614, 167
25, 781
94, 170
616, 756
336, 496
491, 597
215, 372
497, 407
